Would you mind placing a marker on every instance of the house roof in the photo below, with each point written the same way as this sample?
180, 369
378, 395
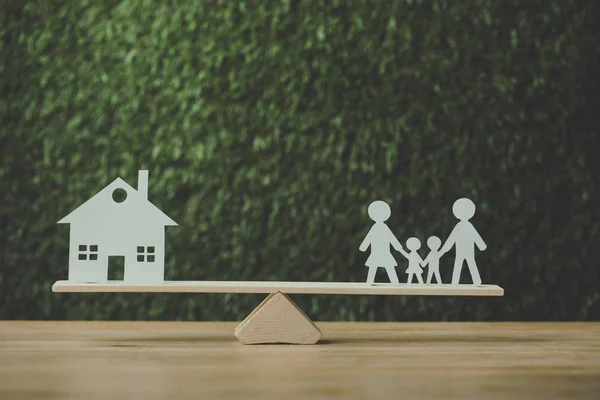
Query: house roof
103, 201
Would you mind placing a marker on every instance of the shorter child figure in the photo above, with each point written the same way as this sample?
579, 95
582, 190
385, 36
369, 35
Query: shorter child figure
414, 260
433, 259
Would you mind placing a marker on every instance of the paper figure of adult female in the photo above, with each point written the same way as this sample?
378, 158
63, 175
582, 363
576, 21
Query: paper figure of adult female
380, 238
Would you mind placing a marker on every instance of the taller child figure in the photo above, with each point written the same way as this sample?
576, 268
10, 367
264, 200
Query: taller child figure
380, 237
465, 237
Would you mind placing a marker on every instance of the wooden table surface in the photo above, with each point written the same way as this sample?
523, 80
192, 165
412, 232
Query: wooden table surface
196, 360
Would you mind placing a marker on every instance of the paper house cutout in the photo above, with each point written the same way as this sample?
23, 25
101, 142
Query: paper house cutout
118, 221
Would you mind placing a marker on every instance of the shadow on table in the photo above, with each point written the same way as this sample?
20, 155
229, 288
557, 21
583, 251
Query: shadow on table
445, 339
442, 339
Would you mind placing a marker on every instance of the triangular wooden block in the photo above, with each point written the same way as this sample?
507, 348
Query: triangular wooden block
277, 320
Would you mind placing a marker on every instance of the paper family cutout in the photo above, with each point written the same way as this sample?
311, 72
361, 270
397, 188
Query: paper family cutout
464, 237
120, 221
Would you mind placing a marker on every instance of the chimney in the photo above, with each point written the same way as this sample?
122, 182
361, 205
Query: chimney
143, 183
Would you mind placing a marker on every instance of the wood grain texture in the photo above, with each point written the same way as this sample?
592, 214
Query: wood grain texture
267, 287
277, 320
190, 360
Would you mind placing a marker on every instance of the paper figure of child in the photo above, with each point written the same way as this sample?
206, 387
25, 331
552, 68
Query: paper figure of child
380, 237
465, 237
414, 259
433, 259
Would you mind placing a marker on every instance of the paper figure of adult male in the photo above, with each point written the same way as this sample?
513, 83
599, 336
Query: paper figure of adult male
464, 237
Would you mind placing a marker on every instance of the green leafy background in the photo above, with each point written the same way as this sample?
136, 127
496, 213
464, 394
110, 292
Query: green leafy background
269, 126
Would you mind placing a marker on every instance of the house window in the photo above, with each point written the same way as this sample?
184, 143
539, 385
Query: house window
88, 252
146, 253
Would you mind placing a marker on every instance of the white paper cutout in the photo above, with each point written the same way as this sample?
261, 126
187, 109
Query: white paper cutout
118, 221
380, 237
464, 237
414, 260
432, 261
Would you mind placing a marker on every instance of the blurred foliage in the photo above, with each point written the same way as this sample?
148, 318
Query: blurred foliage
268, 127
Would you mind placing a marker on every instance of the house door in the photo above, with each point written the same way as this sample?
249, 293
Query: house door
116, 268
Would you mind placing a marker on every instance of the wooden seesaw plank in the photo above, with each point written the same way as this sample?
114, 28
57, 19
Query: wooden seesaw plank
353, 288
